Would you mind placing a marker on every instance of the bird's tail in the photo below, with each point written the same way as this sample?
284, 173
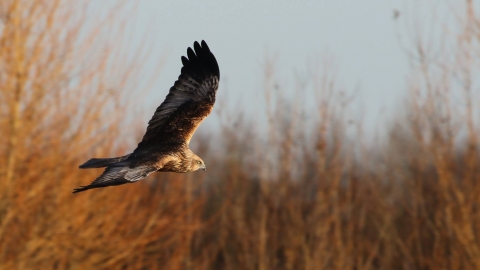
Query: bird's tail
102, 162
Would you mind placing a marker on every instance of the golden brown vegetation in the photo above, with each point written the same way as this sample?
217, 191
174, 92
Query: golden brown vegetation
315, 200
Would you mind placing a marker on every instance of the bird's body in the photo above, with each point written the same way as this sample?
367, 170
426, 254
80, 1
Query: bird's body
164, 146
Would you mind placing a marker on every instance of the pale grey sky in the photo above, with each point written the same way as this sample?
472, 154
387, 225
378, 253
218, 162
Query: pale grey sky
361, 37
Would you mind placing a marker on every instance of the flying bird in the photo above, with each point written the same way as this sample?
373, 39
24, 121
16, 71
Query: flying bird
164, 147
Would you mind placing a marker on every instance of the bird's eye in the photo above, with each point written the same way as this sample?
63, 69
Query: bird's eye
199, 162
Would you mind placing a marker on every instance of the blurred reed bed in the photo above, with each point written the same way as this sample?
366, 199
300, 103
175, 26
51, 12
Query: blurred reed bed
308, 190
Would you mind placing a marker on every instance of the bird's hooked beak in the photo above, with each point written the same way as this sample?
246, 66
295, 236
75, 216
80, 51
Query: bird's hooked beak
204, 167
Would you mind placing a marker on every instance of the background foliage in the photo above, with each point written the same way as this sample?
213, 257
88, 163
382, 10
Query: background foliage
304, 193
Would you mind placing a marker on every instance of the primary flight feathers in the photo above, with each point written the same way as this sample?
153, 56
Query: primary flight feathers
164, 146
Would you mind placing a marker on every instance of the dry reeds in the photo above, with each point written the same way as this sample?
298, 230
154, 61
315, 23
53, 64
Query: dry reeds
307, 195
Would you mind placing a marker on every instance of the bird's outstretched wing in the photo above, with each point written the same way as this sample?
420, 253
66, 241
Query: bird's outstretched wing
125, 172
119, 174
189, 101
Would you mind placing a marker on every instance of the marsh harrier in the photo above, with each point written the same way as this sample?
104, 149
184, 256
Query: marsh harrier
164, 146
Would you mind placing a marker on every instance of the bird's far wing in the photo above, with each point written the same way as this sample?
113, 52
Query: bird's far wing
189, 101
122, 173
119, 175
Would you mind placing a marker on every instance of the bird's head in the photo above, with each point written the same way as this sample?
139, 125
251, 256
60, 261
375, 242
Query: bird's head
197, 164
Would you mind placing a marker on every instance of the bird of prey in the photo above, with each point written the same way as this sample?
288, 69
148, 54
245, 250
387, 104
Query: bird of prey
164, 146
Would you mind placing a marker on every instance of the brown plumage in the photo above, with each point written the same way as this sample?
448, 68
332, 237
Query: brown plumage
164, 146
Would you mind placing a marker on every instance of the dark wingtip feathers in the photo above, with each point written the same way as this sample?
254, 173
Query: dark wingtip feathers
83, 188
184, 60
197, 48
201, 55
191, 55
80, 189
205, 46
